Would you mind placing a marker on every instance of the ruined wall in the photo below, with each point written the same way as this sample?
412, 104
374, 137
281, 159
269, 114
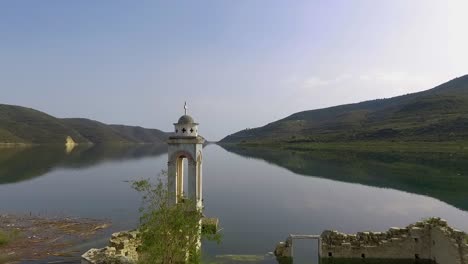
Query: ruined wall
449, 245
428, 241
396, 243
431, 239
122, 248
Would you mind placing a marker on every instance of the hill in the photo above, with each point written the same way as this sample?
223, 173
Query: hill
94, 131
21, 125
25, 125
99, 133
140, 134
438, 114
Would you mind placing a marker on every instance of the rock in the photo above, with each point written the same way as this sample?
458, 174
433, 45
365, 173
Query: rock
122, 249
283, 249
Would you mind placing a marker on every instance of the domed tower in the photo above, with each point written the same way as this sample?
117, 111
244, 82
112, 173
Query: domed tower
185, 143
186, 127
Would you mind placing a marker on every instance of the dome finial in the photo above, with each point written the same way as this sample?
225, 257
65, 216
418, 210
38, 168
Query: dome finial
185, 107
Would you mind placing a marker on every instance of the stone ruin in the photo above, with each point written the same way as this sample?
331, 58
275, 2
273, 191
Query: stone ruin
124, 246
431, 240
122, 249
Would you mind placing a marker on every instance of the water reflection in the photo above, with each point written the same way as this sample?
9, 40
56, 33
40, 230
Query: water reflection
443, 176
21, 164
258, 203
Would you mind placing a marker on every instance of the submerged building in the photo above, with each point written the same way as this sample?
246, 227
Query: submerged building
428, 241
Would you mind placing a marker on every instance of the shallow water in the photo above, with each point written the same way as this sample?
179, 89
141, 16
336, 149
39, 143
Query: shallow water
260, 196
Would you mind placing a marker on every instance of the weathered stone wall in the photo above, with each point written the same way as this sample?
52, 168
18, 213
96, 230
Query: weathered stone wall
284, 249
283, 252
395, 244
449, 245
431, 239
122, 249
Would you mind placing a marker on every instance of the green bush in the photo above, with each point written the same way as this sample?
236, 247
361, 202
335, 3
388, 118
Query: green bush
169, 233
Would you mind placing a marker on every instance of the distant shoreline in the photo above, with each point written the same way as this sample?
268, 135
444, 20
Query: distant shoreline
377, 146
13, 145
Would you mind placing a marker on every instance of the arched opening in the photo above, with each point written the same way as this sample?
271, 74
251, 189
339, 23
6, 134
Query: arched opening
185, 173
185, 189
182, 177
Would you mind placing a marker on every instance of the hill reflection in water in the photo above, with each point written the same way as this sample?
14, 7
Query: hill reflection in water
443, 176
21, 164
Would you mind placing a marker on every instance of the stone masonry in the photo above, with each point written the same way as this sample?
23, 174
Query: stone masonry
431, 240
122, 249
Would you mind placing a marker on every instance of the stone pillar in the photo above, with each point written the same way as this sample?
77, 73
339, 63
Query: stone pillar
172, 181
319, 247
199, 184
199, 162
192, 181
180, 178
291, 246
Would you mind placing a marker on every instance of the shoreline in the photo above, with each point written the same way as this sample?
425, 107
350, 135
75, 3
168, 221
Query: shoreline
28, 145
37, 238
370, 146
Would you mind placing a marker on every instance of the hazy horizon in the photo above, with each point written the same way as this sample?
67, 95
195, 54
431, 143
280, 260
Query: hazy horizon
238, 64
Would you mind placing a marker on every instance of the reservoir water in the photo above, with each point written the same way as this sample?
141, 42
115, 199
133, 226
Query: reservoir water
259, 195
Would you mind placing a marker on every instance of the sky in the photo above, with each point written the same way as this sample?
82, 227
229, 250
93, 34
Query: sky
238, 64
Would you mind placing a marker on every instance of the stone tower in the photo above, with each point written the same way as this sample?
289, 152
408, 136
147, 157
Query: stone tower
185, 143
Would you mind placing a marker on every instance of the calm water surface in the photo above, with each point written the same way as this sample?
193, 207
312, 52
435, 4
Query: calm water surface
259, 195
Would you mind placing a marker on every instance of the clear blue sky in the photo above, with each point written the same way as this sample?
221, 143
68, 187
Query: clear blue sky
238, 64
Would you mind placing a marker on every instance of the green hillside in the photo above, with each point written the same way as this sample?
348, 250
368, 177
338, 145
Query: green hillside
25, 125
21, 125
436, 115
96, 132
140, 134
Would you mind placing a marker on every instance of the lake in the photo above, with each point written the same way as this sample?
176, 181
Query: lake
259, 195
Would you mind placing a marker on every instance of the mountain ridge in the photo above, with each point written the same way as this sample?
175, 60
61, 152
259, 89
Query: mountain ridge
437, 114
23, 125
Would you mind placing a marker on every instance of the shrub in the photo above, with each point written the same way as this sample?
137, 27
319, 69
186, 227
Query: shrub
169, 233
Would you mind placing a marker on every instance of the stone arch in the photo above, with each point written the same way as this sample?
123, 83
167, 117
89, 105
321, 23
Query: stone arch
184, 177
185, 169
182, 153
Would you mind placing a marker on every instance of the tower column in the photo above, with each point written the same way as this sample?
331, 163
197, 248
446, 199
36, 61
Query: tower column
199, 185
172, 182
180, 177
192, 180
